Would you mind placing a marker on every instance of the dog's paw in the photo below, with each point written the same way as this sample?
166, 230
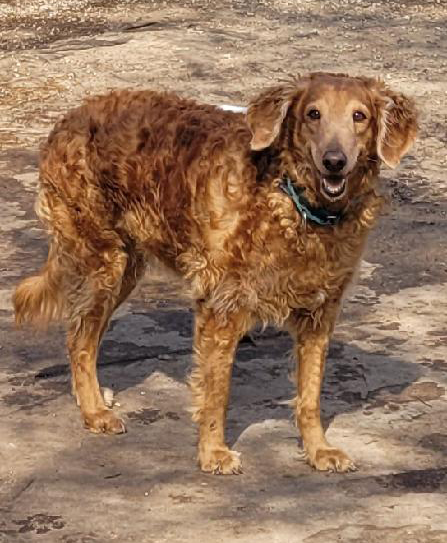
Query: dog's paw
331, 459
221, 462
104, 422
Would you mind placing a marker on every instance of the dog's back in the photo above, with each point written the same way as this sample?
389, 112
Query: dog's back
134, 171
131, 144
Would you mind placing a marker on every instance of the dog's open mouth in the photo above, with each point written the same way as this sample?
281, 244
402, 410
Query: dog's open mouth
333, 186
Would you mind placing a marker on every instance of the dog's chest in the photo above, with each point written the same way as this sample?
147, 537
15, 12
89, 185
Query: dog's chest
305, 277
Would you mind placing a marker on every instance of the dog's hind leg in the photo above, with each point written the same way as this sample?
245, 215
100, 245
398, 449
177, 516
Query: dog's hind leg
135, 267
90, 308
214, 345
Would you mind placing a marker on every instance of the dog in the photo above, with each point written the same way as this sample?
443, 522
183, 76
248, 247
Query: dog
264, 214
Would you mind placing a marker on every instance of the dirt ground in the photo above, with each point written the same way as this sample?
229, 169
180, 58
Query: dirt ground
384, 398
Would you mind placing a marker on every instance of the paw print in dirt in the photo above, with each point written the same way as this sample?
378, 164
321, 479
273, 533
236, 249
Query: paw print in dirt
40, 524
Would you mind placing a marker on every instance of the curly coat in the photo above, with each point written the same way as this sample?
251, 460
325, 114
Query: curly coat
135, 175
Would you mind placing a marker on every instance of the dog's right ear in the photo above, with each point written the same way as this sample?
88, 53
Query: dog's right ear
266, 113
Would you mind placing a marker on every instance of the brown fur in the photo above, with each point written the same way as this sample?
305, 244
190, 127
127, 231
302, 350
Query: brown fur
133, 175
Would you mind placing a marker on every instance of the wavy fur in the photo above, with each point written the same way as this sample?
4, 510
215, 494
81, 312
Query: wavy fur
135, 175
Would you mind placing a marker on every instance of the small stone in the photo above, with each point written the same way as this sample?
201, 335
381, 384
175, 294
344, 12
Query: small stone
108, 396
164, 357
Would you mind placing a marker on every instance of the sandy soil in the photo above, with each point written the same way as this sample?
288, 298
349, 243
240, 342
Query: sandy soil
384, 396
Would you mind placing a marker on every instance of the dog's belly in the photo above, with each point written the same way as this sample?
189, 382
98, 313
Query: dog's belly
276, 307
270, 299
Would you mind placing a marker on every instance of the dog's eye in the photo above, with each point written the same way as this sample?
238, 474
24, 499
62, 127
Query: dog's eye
358, 116
314, 114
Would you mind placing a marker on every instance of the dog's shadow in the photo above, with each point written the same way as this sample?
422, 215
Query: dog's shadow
140, 344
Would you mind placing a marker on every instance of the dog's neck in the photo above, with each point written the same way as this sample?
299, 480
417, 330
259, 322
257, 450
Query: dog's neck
320, 216
267, 163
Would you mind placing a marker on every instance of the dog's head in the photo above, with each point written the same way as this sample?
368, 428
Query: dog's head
336, 127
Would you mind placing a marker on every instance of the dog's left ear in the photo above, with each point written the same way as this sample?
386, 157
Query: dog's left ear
397, 126
266, 113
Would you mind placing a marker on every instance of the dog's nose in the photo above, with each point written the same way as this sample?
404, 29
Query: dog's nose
334, 161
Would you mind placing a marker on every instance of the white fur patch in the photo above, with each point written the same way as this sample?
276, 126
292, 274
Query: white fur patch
234, 109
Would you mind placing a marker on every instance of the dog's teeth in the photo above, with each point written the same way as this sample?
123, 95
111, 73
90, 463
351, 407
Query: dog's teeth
330, 189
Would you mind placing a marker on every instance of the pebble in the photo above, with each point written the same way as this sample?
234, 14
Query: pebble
164, 357
108, 396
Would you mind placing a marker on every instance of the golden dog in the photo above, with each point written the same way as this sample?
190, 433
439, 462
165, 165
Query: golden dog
265, 215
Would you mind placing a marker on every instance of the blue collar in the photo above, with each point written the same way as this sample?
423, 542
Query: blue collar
318, 215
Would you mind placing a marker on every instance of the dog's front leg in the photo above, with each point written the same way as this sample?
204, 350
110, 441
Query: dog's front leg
215, 343
312, 335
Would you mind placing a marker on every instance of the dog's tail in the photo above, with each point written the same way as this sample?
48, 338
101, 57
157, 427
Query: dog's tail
39, 299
